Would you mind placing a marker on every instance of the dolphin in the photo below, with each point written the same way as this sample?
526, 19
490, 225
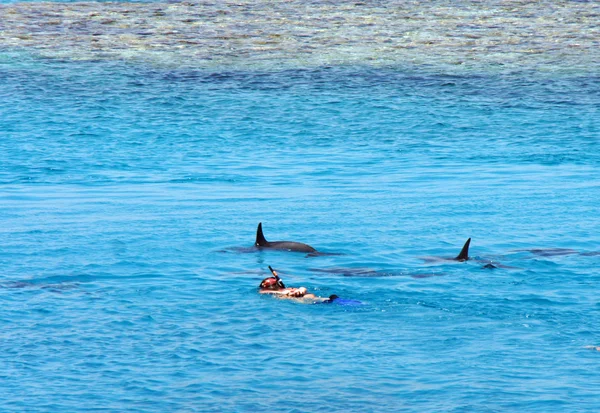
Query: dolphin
261, 242
552, 252
371, 273
590, 254
557, 252
490, 264
461, 257
464, 256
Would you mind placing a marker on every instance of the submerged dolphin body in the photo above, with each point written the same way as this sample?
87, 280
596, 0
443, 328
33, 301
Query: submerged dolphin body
463, 256
552, 252
360, 272
558, 252
261, 242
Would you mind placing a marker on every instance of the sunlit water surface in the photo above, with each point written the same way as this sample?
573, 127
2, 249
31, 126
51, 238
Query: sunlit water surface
131, 188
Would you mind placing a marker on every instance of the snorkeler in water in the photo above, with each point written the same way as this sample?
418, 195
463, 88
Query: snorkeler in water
274, 286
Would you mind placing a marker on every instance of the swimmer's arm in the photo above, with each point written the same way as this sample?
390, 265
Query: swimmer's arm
296, 292
287, 293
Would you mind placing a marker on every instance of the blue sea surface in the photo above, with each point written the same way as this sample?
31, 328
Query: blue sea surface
130, 196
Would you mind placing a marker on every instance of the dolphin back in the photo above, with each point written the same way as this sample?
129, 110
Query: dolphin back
290, 246
261, 241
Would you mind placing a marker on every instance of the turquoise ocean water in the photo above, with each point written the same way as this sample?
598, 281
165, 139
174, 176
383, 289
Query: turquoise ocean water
132, 179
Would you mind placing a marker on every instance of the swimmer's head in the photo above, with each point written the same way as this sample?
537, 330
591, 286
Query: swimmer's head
272, 283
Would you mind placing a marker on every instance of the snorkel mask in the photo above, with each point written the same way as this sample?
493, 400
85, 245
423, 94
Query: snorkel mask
272, 283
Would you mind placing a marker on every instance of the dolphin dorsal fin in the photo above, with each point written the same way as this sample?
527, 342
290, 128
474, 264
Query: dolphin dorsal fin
260, 238
464, 253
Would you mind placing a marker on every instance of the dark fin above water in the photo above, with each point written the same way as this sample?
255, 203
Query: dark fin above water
464, 253
260, 238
